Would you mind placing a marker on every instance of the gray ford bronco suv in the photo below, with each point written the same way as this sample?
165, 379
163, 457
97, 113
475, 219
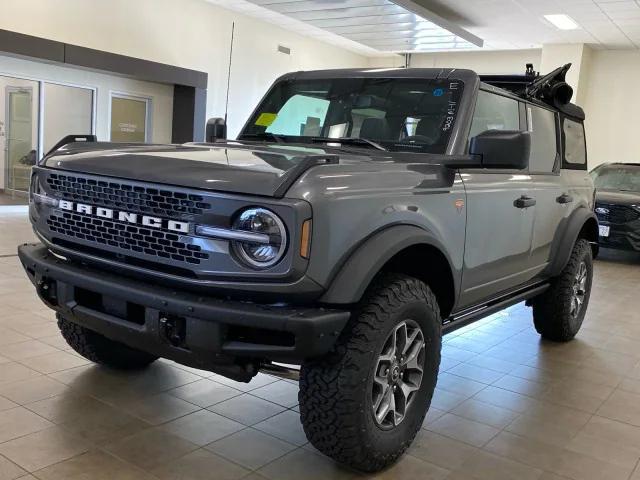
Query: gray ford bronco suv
359, 215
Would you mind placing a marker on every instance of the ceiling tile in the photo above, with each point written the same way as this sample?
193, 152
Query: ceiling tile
374, 27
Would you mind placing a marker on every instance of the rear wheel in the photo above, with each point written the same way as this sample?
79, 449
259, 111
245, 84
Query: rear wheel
558, 313
364, 402
100, 349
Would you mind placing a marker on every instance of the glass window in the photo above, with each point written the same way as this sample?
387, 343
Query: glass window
494, 112
622, 178
66, 111
575, 149
129, 119
397, 113
542, 125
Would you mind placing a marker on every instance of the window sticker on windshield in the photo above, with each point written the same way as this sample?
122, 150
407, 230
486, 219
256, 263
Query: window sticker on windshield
266, 119
452, 108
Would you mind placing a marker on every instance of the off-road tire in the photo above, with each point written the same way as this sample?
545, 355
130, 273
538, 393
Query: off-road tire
336, 409
552, 309
100, 349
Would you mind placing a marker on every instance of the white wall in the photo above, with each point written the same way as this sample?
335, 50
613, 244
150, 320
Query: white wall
161, 95
187, 33
499, 62
612, 102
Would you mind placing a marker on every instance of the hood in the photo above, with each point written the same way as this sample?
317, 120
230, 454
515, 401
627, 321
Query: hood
231, 167
617, 197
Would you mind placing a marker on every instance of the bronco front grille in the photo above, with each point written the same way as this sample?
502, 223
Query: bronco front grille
125, 236
133, 198
617, 213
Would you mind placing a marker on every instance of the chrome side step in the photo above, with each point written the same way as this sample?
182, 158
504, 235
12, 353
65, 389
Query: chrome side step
286, 372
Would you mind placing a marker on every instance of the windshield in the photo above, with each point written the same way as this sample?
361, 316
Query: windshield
617, 177
397, 114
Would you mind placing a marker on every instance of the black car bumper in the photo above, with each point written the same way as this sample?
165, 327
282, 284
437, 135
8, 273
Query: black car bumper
622, 237
209, 333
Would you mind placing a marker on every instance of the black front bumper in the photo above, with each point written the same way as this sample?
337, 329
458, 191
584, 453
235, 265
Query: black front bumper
209, 333
622, 236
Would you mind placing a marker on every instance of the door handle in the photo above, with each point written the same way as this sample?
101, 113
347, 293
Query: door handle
524, 202
564, 198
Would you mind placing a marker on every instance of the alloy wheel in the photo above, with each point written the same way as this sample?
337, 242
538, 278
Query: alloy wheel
579, 290
398, 374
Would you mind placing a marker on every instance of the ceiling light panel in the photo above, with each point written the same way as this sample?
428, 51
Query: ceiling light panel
562, 21
386, 26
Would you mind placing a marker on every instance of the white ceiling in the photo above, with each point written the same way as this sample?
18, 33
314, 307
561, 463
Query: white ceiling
505, 24
374, 27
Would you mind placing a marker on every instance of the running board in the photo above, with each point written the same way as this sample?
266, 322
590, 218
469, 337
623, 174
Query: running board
285, 372
472, 314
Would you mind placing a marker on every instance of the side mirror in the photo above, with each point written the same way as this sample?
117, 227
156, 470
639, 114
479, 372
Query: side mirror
216, 130
502, 149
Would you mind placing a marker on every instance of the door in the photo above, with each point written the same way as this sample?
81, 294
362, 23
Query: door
500, 213
20, 149
553, 201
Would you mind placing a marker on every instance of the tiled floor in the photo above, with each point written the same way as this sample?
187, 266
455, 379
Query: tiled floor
507, 406
17, 198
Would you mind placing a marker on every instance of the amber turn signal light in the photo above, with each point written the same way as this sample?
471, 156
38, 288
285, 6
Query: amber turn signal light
305, 239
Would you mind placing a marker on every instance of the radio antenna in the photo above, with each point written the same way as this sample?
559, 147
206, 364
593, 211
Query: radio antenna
226, 106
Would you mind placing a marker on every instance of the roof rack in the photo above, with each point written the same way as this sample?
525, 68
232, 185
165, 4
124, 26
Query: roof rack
551, 88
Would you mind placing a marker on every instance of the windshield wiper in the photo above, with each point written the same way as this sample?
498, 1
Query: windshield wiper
350, 140
263, 136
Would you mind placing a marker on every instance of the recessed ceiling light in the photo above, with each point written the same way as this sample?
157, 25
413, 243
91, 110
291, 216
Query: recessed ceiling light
562, 21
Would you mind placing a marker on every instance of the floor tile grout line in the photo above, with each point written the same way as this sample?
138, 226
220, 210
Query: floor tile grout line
124, 410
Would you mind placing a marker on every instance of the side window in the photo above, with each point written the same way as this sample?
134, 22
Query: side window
494, 112
575, 149
544, 149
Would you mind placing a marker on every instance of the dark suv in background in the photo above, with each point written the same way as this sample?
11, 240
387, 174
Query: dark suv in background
618, 205
358, 216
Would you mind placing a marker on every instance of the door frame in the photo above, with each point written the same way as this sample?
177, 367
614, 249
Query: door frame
148, 134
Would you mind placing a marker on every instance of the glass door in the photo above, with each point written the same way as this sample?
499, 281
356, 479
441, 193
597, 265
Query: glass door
20, 130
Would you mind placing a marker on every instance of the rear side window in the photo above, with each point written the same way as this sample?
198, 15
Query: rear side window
575, 149
494, 112
544, 148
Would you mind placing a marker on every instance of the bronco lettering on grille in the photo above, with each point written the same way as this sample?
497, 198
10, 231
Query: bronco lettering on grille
128, 217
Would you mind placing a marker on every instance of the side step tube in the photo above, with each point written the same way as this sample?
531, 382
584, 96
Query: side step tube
281, 371
464, 318
469, 316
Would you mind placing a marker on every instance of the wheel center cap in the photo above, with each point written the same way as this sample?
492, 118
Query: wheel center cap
395, 373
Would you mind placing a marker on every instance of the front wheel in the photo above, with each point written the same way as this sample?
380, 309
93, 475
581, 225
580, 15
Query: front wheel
558, 313
364, 402
99, 349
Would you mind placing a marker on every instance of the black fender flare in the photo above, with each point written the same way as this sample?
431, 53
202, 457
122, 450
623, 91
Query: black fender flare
566, 237
356, 273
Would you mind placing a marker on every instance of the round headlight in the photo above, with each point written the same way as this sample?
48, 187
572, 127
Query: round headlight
268, 244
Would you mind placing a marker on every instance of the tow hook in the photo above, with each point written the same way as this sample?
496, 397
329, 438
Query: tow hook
173, 329
47, 290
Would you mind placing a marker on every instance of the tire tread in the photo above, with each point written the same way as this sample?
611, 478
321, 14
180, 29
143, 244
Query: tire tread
329, 386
